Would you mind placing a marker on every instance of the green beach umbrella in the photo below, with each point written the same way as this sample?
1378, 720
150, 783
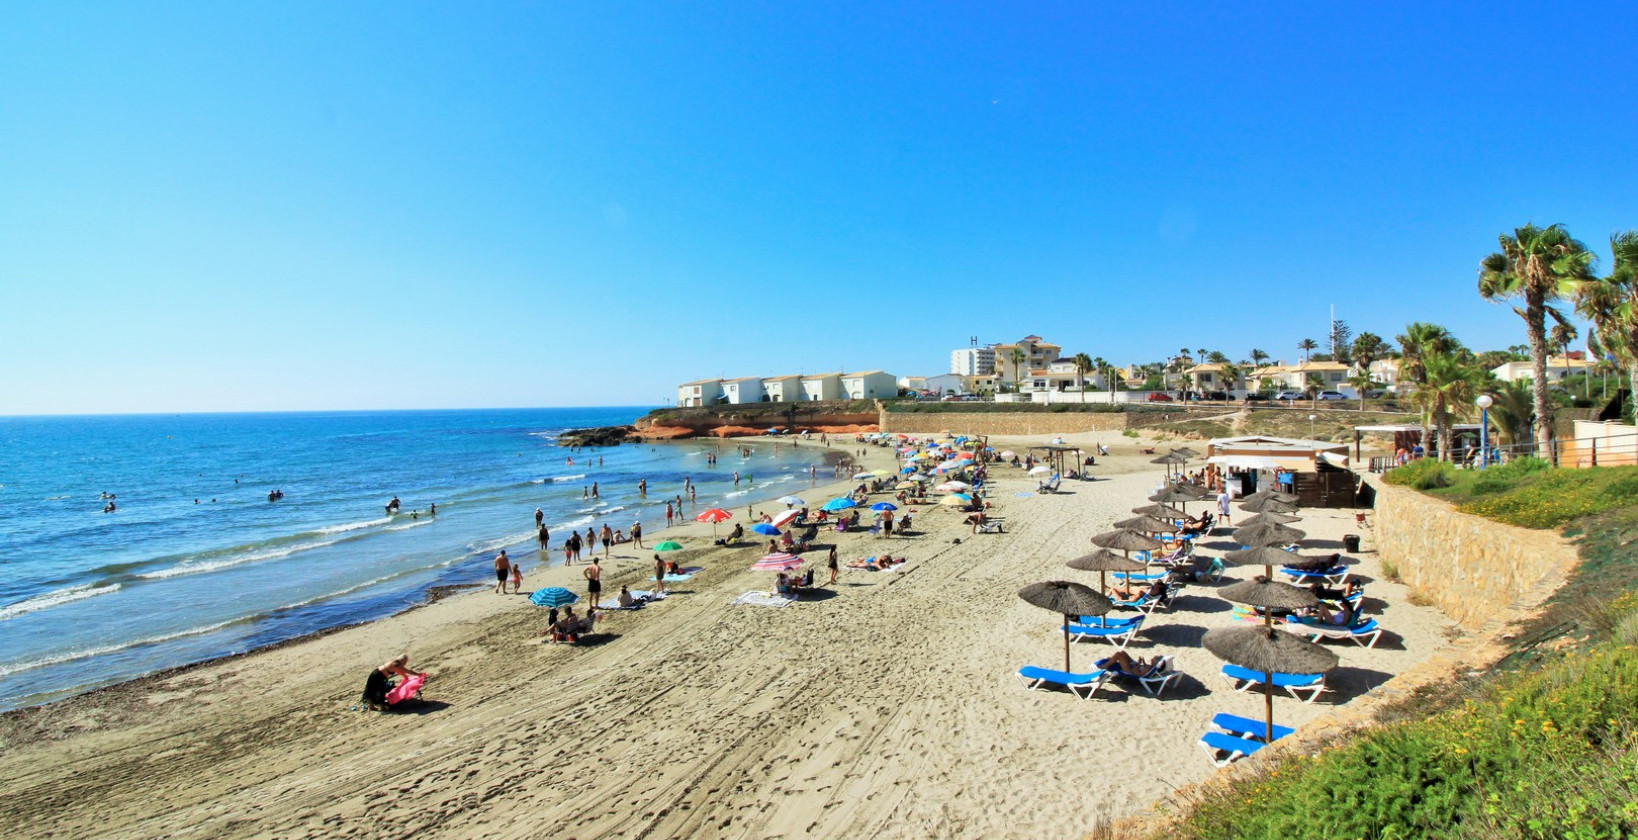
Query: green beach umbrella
669, 545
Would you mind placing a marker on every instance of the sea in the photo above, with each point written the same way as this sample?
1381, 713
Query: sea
196, 562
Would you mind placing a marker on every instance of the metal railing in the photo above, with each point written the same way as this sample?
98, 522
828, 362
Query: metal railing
1612, 450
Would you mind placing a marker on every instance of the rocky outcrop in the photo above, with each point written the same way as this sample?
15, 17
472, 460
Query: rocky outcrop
599, 436
726, 421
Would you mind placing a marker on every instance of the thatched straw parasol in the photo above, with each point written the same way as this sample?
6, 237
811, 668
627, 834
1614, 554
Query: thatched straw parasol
1103, 561
1066, 599
1162, 511
1267, 556
1147, 524
1288, 498
1270, 595
1268, 505
1255, 535
1270, 651
1124, 540
1270, 519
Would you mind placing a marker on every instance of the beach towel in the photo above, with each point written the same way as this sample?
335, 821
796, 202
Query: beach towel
675, 578
613, 603
765, 599
1023, 495
406, 689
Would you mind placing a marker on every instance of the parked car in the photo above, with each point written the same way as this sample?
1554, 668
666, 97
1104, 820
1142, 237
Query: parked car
1216, 396
1290, 395
1159, 397
1255, 398
1331, 395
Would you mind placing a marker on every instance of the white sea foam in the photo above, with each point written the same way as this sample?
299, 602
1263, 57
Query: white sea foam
486, 546
413, 523
9, 668
270, 554
56, 598
559, 479
354, 526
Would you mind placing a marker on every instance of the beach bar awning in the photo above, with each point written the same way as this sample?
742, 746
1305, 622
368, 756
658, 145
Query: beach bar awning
1243, 462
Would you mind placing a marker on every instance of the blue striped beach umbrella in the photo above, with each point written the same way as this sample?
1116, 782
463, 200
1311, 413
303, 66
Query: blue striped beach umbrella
553, 596
838, 503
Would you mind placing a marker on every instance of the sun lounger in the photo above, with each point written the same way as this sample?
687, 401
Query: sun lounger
1358, 632
1154, 680
992, 526
1050, 485
1108, 620
1082, 685
1241, 727
1241, 679
1224, 749
1142, 577
1147, 604
1333, 575
1117, 635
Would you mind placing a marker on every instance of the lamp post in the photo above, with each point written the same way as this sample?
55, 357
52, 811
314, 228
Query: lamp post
1484, 402
1311, 426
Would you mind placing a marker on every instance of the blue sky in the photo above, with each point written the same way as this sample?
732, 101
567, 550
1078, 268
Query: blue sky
314, 206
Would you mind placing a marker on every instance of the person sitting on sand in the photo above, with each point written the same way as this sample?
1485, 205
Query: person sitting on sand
673, 569
976, 520
380, 682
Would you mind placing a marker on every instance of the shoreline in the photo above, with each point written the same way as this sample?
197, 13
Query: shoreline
886, 704
432, 593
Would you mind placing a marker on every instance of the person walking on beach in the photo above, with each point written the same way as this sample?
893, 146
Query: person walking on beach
669, 513
544, 537
608, 539
1223, 504
637, 534
591, 540
503, 567
594, 582
659, 574
517, 578
540, 518
831, 563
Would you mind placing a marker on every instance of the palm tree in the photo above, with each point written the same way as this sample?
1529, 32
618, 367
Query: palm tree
1018, 357
1611, 303
1450, 387
1420, 341
1258, 357
1083, 363
1307, 346
1362, 382
1538, 266
1511, 409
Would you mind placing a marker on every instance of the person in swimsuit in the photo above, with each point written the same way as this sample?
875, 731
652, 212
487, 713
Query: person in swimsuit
594, 581
831, 562
503, 567
380, 682
544, 537
540, 518
637, 534
517, 579
659, 574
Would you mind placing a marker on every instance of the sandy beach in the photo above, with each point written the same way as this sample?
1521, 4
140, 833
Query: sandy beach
887, 706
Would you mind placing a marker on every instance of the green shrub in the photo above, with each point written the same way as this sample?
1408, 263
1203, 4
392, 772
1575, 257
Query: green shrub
1422, 474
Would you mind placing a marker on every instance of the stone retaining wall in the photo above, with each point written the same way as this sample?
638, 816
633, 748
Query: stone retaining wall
1003, 423
1472, 569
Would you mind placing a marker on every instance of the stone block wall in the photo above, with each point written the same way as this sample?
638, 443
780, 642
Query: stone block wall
1472, 569
1003, 422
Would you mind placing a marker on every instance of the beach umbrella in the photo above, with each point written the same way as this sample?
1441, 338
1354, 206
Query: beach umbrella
884, 506
1168, 495
1124, 540
880, 473
1267, 556
776, 562
1147, 524
1186, 452
1066, 599
1270, 519
785, 517
838, 503
905, 485
1270, 651
1162, 511
1008, 454
1269, 595
1288, 498
1269, 534
791, 501
1268, 505
669, 545
1103, 561
765, 529
552, 596
713, 516
954, 485
955, 500
907, 470
863, 475
1041, 469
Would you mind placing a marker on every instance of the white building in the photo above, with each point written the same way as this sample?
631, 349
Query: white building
822, 386
699, 392
942, 384
1558, 367
1061, 375
973, 361
746, 389
869, 385
783, 388
1015, 361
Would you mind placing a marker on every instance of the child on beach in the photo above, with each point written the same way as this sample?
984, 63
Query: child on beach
517, 578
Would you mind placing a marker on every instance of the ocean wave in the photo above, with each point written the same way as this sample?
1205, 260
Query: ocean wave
487, 546
558, 479
353, 526
54, 498
56, 598
198, 568
9, 668
413, 523
734, 494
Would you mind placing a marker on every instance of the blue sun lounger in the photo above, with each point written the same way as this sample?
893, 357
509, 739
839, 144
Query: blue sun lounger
1255, 730
1243, 678
1224, 749
1154, 680
1333, 575
1116, 634
1367, 629
1082, 685
1107, 620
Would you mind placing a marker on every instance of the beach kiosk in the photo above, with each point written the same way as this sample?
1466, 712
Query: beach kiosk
1317, 471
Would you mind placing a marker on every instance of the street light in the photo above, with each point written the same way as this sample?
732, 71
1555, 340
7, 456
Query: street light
1311, 426
1484, 402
